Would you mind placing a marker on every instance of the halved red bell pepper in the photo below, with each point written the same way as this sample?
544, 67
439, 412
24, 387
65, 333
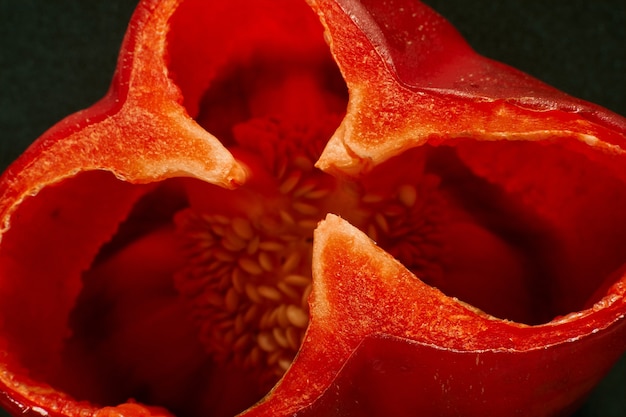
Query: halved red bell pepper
275, 217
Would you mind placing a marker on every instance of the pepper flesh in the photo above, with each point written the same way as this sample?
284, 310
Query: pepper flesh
385, 103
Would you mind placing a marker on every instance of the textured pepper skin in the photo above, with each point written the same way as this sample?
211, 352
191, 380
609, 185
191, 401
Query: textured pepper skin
141, 134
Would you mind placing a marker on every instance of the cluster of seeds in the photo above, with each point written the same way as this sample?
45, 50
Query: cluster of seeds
249, 289
406, 222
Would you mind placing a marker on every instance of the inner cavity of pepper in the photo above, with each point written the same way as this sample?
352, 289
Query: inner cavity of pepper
199, 302
228, 306
206, 288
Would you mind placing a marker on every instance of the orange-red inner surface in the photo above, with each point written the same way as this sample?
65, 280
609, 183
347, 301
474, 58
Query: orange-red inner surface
524, 231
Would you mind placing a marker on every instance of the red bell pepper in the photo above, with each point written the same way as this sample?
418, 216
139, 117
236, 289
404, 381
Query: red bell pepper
271, 216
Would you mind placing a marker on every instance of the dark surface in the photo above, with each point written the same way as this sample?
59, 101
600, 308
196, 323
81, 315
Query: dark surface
57, 57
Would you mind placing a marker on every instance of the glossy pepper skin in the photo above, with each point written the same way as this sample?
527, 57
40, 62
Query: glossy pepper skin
393, 351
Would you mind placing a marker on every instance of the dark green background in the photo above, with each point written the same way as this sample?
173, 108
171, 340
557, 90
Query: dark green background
57, 57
